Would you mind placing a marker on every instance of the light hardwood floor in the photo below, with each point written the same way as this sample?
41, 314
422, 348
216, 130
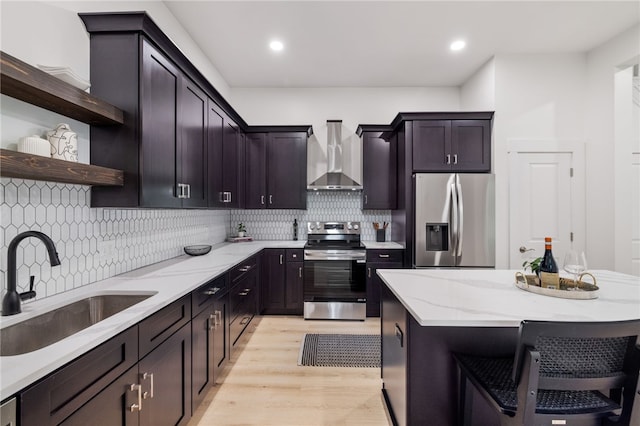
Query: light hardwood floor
265, 386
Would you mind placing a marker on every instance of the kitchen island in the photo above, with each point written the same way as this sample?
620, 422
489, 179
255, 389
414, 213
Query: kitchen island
427, 314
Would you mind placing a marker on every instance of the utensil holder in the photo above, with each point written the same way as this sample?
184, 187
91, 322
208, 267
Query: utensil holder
380, 235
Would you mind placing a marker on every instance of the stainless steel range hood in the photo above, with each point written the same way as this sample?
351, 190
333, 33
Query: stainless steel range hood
334, 179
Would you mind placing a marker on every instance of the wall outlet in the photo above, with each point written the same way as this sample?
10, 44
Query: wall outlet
107, 250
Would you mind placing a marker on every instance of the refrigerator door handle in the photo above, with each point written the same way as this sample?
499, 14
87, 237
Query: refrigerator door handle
460, 216
454, 221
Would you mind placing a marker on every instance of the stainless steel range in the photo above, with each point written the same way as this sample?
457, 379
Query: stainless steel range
334, 272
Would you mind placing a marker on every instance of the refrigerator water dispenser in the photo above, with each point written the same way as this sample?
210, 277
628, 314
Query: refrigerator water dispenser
437, 237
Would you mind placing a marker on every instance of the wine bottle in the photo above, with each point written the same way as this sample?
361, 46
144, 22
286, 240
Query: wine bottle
295, 229
549, 276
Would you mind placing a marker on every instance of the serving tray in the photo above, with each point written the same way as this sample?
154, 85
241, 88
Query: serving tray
568, 289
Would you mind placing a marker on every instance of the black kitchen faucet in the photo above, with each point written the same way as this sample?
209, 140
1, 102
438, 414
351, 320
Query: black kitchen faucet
11, 300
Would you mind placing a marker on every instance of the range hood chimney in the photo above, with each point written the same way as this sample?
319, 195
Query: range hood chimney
334, 179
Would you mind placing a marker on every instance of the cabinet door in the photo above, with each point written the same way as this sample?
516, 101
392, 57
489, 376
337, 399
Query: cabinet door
374, 284
192, 144
273, 281
379, 172
232, 155
220, 335
167, 385
113, 406
287, 170
215, 159
293, 292
432, 145
61, 394
202, 347
159, 87
256, 171
471, 145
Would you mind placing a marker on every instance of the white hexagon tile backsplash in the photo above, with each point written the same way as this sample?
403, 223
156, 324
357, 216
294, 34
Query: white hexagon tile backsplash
96, 243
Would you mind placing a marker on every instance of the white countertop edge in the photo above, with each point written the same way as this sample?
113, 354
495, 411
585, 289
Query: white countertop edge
19, 371
406, 292
386, 245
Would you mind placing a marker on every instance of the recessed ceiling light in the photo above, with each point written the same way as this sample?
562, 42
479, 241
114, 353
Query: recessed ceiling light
276, 45
458, 45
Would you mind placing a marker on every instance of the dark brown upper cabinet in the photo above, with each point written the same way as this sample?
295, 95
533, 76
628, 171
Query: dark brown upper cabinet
182, 144
162, 146
225, 160
452, 145
276, 170
379, 170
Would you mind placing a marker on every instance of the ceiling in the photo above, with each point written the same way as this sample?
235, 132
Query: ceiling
387, 43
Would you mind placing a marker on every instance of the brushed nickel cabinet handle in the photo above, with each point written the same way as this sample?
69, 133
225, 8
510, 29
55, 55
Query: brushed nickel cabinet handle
212, 323
262, 200
270, 199
218, 317
366, 199
300, 272
369, 272
384, 256
281, 259
455, 158
149, 376
136, 387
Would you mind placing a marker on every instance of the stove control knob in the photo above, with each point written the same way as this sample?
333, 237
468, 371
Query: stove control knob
356, 226
318, 226
312, 226
349, 226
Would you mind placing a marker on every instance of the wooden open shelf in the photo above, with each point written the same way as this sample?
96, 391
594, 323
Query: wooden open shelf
27, 166
32, 85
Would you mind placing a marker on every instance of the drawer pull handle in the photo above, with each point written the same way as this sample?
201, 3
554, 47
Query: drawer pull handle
243, 293
244, 268
245, 320
300, 272
138, 406
218, 317
212, 323
262, 200
384, 256
149, 376
211, 291
281, 259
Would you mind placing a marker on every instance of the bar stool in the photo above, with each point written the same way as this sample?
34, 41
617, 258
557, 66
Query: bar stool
562, 372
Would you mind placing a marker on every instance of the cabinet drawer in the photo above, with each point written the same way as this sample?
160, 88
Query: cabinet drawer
242, 298
159, 326
52, 400
384, 256
240, 270
204, 296
295, 255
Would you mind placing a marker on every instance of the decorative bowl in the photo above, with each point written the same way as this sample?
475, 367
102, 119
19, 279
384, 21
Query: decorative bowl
197, 250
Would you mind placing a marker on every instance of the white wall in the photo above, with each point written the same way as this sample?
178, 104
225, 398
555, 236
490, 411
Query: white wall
478, 93
537, 97
353, 106
602, 63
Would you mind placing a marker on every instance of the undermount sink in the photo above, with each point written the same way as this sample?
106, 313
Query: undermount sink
43, 330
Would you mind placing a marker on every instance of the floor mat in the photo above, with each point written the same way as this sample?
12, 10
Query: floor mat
340, 350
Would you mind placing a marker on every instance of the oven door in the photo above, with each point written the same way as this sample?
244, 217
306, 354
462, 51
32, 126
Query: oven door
334, 275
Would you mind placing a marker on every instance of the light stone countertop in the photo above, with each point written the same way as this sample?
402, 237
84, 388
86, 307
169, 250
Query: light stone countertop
489, 298
387, 245
168, 281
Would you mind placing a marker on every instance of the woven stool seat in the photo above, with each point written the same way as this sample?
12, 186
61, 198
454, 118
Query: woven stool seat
494, 374
561, 372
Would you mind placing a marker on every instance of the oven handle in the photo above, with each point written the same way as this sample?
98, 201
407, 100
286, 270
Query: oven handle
358, 255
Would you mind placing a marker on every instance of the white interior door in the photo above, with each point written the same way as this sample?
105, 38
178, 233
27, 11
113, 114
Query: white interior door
540, 204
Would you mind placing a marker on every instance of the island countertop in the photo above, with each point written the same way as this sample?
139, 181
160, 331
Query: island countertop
489, 298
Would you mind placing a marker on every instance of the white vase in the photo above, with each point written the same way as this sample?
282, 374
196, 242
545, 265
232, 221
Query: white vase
64, 143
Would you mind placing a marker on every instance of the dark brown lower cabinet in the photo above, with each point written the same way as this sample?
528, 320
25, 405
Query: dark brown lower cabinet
379, 259
281, 285
165, 376
113, 406
111, 385
209, 337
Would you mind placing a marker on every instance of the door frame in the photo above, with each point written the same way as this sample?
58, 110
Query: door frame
576, 148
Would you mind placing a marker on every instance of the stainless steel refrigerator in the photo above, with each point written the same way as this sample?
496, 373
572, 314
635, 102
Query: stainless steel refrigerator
454, 220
